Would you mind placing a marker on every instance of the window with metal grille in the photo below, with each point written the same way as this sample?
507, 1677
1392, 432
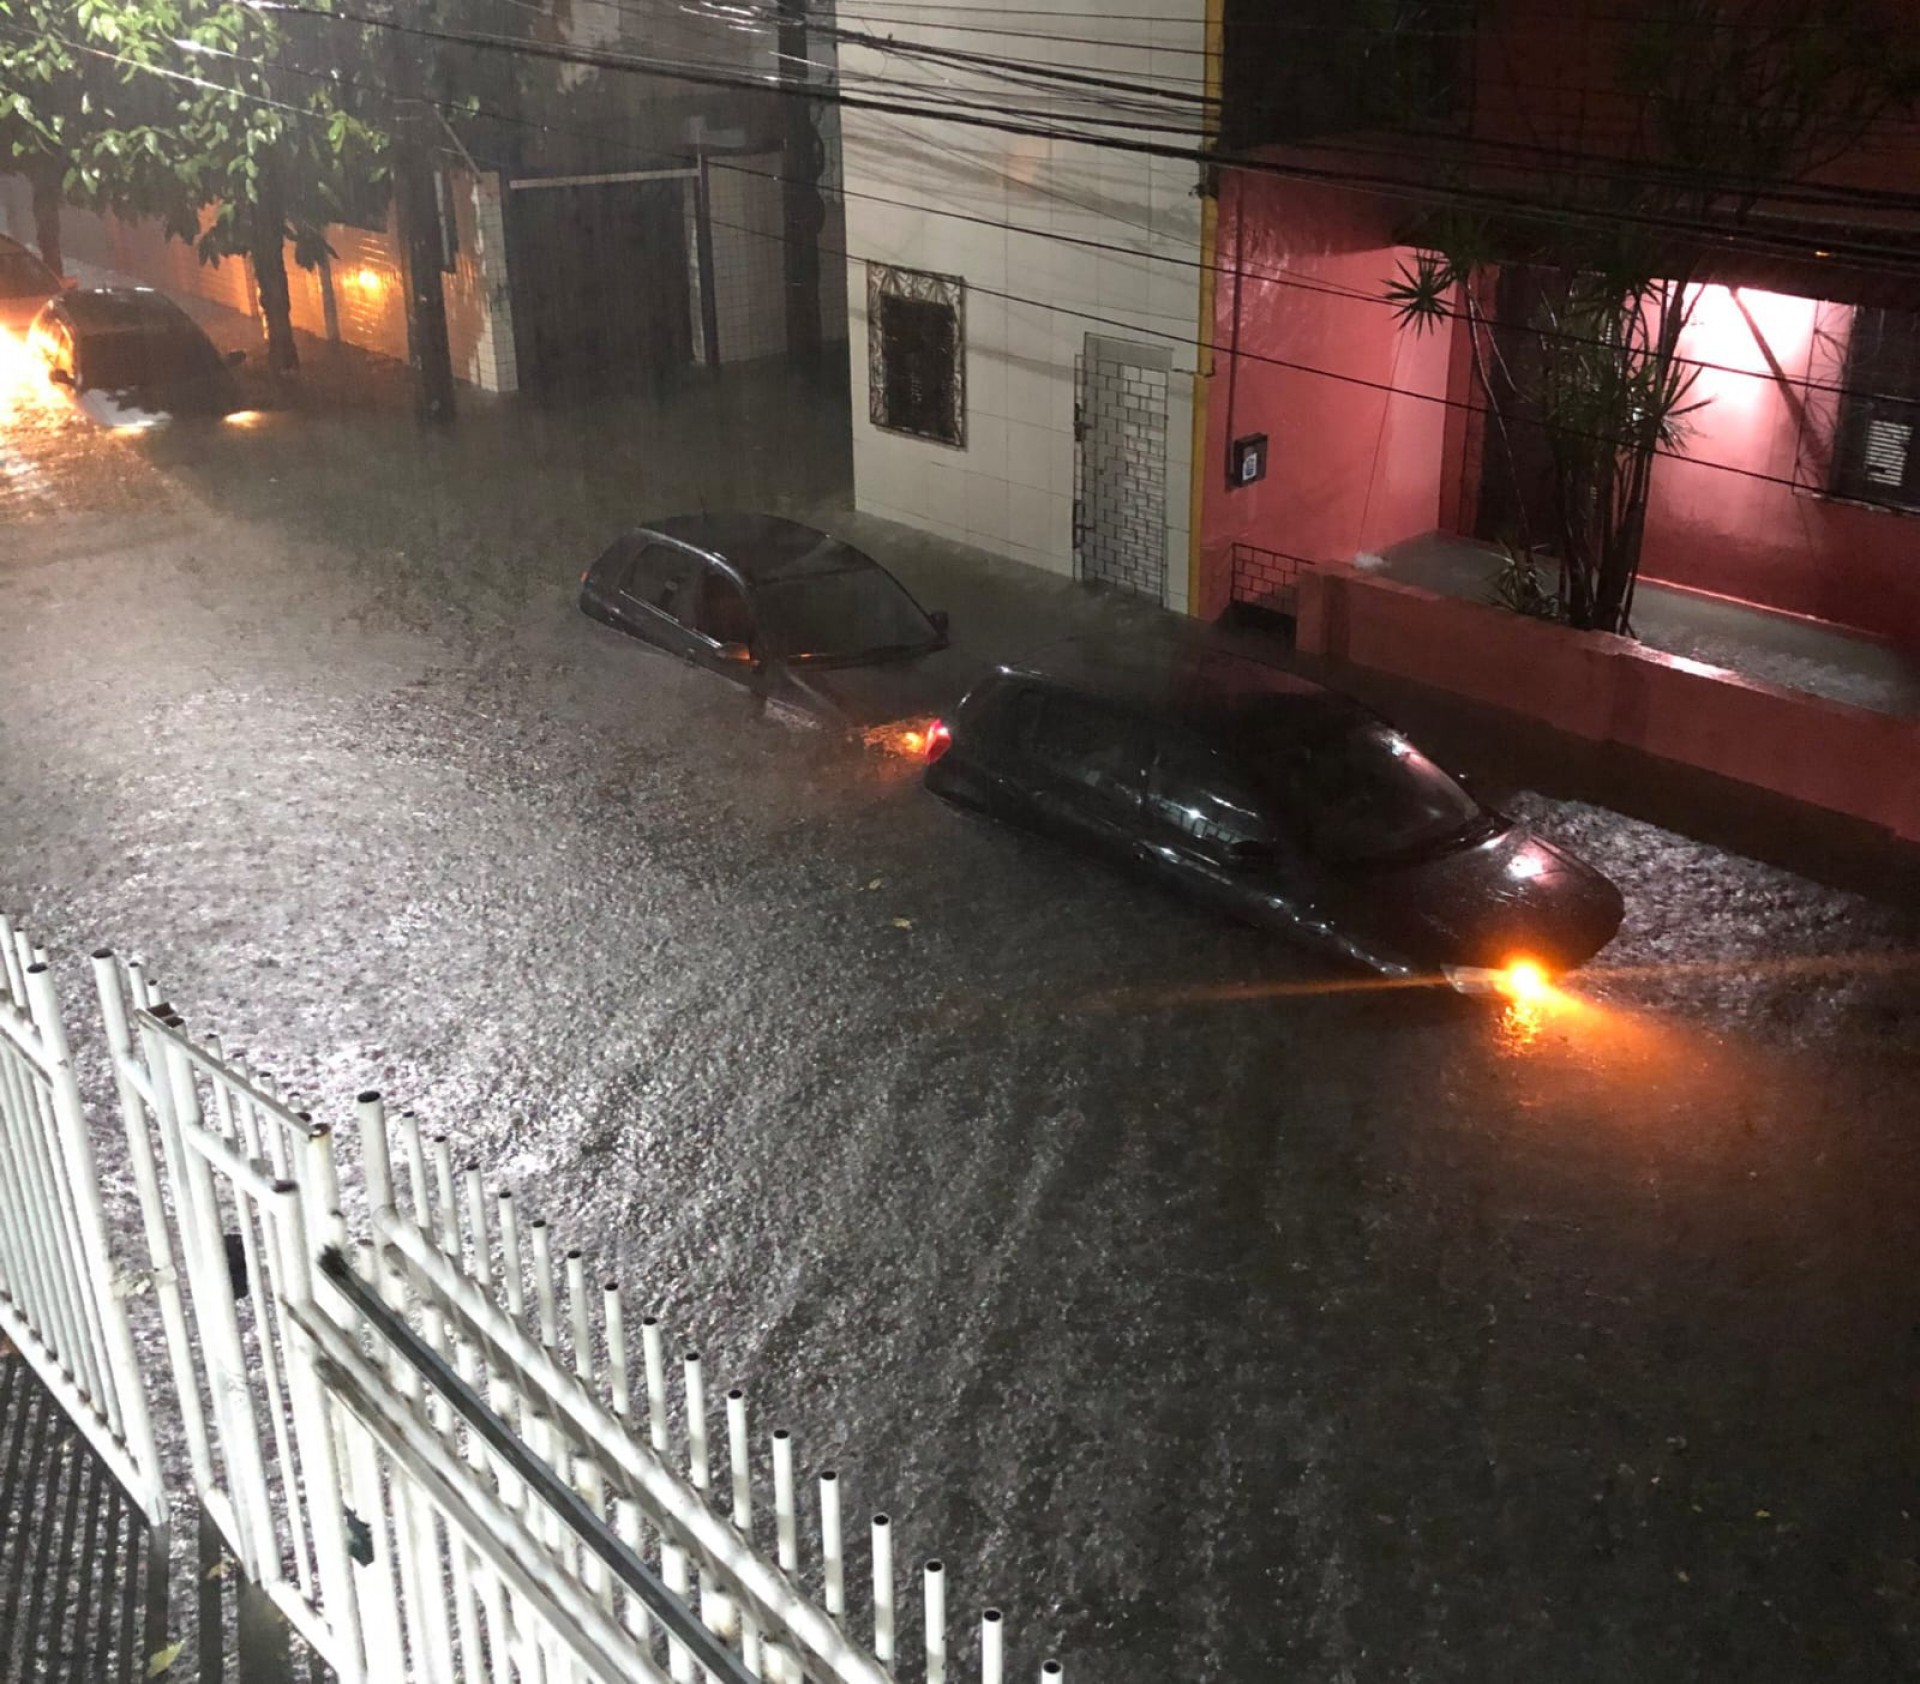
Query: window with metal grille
1877, 455
916, 354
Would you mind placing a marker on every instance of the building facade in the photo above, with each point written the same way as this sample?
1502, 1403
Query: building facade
1024, 290
1796, 487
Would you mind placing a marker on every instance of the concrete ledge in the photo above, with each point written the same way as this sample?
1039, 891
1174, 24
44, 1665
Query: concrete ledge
1608, 689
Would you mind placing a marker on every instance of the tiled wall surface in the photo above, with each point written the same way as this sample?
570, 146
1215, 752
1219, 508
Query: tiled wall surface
1056, 240
1122, 484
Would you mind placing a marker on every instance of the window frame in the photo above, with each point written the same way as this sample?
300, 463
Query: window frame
630, 564
1861, 404
884, 282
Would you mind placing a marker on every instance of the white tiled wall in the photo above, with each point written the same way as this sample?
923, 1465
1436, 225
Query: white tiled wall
990, 208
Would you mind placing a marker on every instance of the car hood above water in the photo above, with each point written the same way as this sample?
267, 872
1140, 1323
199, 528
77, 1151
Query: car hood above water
887, 692
1513, 896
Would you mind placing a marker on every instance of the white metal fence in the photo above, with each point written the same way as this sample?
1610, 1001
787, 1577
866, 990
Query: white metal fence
436, 1445
62, 1300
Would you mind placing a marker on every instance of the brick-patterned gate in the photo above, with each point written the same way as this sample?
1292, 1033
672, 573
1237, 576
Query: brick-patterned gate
1120, 473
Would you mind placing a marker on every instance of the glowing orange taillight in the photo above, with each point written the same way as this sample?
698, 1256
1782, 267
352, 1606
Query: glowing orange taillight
939, 740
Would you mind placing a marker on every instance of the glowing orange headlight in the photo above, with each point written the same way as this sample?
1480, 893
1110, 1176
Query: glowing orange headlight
1524, 980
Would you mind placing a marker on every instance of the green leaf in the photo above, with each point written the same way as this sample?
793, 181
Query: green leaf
162, 1659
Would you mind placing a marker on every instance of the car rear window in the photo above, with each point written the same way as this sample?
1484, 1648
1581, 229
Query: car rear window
1080, 738
838, 616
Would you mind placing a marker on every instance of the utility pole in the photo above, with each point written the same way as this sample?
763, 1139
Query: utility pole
804, 211
416, 202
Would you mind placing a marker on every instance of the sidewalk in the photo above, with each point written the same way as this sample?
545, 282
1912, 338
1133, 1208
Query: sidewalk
1004, 605
1797, 654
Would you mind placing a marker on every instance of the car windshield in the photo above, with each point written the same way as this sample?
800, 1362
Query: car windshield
1367, 794
841, 616
145, 358
22, 275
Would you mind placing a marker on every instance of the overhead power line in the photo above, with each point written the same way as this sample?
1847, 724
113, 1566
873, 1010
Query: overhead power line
1509, 204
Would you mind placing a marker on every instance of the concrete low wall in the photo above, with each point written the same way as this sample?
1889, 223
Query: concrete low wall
1612, 689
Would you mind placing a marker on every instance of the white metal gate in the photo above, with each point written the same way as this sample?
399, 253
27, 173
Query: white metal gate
62, 1301
427, 1438
1120, 465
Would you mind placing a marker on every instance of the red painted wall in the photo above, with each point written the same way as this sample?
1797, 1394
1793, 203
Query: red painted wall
1306, 351
1715, 528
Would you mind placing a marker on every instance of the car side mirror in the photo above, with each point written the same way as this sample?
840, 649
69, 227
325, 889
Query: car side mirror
69, 283
735, 652
938, 619
236, 358
1247, 855
60, 376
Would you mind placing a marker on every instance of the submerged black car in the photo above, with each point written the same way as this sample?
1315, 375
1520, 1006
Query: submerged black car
802, 619
131, 357
1278, 802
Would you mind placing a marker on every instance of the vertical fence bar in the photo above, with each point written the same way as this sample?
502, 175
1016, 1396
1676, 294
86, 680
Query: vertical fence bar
618, 1389
579, 1325
785, 1521
883, 1589
936, 1612
832, 1558
656, 1366
543, 1282
993, 1637
474, 1193
511, 1268
738, 1464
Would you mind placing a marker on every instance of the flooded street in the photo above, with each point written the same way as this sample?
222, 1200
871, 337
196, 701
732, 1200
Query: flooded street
1217, 1315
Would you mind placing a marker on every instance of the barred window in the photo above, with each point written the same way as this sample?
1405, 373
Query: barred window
916, 353
1877, 454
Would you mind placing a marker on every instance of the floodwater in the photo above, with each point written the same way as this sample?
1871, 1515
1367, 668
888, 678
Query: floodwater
1216, 1317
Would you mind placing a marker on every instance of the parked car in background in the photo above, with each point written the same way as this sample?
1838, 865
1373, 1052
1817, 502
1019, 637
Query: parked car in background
1276, 801
799, 617
131, 357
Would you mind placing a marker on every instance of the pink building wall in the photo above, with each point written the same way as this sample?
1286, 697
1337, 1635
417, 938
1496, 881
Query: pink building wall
1347, 399
1714, 527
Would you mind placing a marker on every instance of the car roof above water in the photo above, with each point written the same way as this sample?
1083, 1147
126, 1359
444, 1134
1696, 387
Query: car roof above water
1196, 680
760, 547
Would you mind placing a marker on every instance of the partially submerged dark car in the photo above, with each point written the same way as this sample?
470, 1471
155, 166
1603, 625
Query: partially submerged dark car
803, 620
1278, 802
129, 357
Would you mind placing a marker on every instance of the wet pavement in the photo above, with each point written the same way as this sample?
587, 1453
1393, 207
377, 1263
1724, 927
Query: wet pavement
1218, 1317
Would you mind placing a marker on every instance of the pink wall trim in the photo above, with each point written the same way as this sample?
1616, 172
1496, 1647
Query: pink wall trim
1309, 352
1611, 689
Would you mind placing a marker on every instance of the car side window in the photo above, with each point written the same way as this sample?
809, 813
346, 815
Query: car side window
1083, 741
721, 612
1198, 790
658, 576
